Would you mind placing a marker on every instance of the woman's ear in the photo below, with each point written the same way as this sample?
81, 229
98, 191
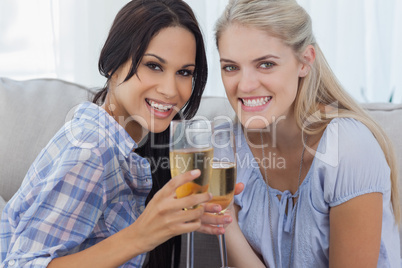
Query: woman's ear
308, 57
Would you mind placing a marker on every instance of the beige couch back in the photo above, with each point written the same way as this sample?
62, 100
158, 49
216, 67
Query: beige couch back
31, 112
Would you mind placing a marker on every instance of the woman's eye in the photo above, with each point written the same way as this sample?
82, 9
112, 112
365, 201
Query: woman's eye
154, 66
185, 72
267, 65
229, 68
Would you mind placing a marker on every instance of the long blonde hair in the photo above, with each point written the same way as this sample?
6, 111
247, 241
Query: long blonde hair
288, 21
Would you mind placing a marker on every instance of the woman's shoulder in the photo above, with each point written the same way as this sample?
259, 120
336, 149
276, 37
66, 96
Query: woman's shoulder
349, 138
349, 161
82, 139
88, 126
348, 128
93, 128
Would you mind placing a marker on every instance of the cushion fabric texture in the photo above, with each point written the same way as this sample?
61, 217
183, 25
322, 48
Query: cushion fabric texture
2, 204
31, 112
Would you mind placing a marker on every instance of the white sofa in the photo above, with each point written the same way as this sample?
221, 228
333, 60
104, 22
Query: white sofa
32, 111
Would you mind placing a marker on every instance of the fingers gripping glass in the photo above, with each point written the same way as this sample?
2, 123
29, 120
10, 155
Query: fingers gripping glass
191, 148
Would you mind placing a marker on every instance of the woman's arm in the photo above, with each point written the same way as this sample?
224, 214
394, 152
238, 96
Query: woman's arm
162, 219
240, 253
355, 232
111, 252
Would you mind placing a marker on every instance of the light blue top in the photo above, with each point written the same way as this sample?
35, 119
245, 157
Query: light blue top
349, 162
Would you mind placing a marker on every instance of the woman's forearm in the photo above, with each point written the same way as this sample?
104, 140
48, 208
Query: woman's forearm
111, 252
240, 253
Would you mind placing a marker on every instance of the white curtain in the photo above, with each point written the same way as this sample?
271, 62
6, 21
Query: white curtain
362, 40
207, 12
55, 38
82, 30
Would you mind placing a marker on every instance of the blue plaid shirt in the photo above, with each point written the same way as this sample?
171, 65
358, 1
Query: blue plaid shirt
86, 185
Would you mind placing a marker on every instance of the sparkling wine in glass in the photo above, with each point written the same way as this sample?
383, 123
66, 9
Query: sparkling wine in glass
191, 148
183, 160
222, 183
223, 180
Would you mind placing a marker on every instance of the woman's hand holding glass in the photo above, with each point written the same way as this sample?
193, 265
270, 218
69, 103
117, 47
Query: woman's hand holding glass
164, 217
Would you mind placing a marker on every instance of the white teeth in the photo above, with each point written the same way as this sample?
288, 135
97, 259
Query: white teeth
256, 102
159, 106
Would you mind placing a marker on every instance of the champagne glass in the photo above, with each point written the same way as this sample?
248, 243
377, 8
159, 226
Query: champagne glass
191, 148
223, 180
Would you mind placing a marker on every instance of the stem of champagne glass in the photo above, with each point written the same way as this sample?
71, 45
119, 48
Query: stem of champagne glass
190, 250
222, 250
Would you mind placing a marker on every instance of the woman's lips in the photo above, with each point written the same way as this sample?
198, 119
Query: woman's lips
255, 104
159, 109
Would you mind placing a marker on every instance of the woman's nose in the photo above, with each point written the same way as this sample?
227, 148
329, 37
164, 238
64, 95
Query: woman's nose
168, 86
248, 81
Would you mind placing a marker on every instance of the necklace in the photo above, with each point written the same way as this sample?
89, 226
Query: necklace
295, 203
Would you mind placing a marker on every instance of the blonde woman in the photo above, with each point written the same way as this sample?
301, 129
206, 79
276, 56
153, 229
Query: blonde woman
320, 175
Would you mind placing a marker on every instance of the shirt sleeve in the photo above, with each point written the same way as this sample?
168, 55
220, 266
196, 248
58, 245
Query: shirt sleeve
352, 162
57, 209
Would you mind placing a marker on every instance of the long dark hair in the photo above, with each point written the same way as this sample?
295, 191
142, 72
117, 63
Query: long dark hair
132, 30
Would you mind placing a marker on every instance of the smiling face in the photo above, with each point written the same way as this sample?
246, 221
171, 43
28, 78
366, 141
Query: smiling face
163, 84
260, 74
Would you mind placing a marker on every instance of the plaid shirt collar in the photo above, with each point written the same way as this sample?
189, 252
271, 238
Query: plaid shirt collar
112, 131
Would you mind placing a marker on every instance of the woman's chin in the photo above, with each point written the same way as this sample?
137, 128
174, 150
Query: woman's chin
158, 128
255, 122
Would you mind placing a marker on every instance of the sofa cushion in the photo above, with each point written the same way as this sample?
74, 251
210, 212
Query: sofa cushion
2, 204
31, 112
389, 117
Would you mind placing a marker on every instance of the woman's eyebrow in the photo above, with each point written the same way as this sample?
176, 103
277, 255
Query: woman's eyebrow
188, 65
159, 58
266, 57
164, 61
255, 60
226, 60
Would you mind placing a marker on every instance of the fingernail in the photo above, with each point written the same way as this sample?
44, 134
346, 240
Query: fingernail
217, 208
195, 172
228, 219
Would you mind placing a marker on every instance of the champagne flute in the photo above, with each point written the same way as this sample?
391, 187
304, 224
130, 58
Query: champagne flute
191, 148
223, 180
